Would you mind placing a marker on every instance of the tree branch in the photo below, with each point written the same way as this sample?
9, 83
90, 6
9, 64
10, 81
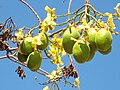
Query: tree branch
69, 10
37, 16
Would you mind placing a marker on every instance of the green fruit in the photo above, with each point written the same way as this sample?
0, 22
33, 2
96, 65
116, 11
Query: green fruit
45, 42
26, 46
67, 42
90, 37
22, 57
34, 60
106, 52
92, 53
81, 51
103, 39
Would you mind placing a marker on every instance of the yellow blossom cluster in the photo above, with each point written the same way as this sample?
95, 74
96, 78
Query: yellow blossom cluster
48, 23
56, 50
19, 35
53, 76
110, 22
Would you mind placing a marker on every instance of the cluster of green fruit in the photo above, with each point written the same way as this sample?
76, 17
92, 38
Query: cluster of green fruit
27, 54
83, 47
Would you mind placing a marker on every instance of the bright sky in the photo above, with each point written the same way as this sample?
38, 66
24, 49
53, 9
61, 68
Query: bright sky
102, 73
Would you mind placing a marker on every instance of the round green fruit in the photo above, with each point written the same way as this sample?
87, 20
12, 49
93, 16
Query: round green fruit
106, 52
92, 53
22, 57
44, 40
81, 51
90, 37
67, 42
103, 39
34, 60
26, 46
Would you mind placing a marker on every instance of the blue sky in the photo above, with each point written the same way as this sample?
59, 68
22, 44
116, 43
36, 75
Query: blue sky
102, 73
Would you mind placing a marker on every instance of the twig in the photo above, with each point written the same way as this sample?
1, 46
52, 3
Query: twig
11, 56
43, 71
11, 49
93, 9
15, 59
75, 12
73, 18
71, 60
63, 29
69, 10
34, 28
69, 83
37, 16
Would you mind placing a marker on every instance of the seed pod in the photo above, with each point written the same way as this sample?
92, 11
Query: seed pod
106, 52
22, 57
34, 60
91, 56
26, 46
67, 42
81, 51
103, 39
90, 37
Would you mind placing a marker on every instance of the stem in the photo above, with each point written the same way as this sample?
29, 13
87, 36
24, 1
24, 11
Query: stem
34, 28
94, 9
86, 7
73, 18
11, 56
63, 15
63, 29
11, 49
37, 16
94, 19
71, 60
69, 10
15, 59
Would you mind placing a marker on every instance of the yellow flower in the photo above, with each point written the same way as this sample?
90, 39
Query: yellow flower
53, 76
53, 73
36, 41
19, 34
51, 11
110, 22
48, 23
101, 23
84, 23
44, 27
63, 53
57, 60
77, 82
46, 88
57, 42
54, 51
117, 10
